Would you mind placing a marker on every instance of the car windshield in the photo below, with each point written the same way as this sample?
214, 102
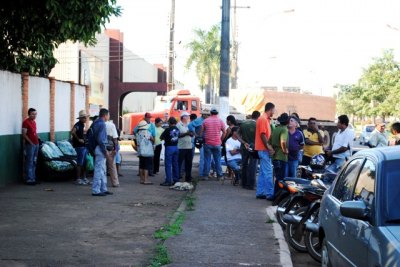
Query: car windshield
369, 129
391, 191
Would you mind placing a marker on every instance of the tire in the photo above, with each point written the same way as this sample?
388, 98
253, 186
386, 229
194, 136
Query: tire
325, 261
313, 245
298, 245
283, 204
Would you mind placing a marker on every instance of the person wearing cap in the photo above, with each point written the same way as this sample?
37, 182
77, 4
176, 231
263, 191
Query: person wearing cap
342, 145
265, 185
279, 142
152, 129
185, 146
145, 151
296, 143
78, 142
214, 132
171, 162
378, 137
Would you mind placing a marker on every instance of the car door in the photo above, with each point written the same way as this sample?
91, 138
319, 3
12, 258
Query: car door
355, 233
332, 220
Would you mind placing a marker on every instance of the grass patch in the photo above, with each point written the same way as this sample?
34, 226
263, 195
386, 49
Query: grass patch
170, 230
269, 220
190, 202
161, 257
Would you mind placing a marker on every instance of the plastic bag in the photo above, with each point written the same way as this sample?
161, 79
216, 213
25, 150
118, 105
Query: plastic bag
89, 162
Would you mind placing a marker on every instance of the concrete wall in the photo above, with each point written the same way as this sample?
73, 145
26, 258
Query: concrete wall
136, 69
36, 95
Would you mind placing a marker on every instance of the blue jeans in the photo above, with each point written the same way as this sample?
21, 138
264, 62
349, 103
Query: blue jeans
215, 151
100, 175
31, 152
235, 166
265, 184
291, 168
171, 164
202, 162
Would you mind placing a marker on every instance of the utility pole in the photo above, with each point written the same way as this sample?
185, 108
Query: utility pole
171, 52
235, 47
224, 67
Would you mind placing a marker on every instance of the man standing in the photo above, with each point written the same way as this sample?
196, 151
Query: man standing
279, 142
78, 142
314, 140
265, 185
212, 128
247, 134
196, 127
31, 146
99, 187
185, 146
296, 143
378, 137
341, 148
112, 138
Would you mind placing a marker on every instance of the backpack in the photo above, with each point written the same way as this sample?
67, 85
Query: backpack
91, 140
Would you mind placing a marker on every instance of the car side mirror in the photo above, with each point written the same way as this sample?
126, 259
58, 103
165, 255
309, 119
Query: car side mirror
355, 210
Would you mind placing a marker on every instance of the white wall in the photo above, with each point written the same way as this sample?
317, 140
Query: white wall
80, 96
67, 68
139, 102
39, 99
10, 103
136, 69
62, 106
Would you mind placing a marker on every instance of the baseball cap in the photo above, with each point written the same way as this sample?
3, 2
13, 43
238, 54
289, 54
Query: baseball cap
185, 114
214, 110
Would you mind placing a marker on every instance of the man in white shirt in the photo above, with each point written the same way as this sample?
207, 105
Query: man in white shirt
378, 137
233, 155
112, 138
342, 145
185, 146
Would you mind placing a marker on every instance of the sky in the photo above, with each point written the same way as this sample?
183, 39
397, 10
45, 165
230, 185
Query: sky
313, 44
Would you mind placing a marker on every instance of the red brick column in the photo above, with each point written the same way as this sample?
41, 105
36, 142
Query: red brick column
87, 95
25, 94
52, 108
72, 107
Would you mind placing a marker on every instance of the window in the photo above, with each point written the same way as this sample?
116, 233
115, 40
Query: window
365, 187
344, 187
194, 105
181, 105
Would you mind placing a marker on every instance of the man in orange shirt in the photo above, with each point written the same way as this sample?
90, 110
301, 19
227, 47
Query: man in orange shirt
265, 183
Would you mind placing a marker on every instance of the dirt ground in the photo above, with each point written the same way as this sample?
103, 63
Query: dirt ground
61, 224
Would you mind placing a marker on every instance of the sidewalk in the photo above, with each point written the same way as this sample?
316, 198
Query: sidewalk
69, 227
227, 228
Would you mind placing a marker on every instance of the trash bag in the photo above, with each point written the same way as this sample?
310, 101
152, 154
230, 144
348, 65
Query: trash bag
89, 162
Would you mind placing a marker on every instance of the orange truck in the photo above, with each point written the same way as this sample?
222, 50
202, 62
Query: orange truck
171, 105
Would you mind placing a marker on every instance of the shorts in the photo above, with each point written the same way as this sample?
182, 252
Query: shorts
145, 163
82, 153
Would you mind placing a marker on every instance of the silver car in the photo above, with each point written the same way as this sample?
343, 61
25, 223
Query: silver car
360, 215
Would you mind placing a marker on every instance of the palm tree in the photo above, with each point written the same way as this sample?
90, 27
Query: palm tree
205, 54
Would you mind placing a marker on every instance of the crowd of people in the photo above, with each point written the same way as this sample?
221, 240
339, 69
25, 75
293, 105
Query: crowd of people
276, 147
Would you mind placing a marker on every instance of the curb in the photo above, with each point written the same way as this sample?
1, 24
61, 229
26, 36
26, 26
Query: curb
181, 208
284, 253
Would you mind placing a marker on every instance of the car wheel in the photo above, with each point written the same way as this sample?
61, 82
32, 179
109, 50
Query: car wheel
325, 261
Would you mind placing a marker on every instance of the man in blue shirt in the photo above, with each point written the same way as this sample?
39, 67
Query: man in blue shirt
195, 126
99, 187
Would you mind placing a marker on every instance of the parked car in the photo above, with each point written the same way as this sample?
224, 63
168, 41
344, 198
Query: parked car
366, 133
359, 221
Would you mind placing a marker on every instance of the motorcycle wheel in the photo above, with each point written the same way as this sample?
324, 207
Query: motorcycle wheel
282, 204
312, 242
298, 245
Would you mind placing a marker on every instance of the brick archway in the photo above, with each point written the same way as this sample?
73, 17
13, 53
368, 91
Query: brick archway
119, 89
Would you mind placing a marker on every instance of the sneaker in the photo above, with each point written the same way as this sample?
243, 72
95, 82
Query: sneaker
108, 193
80, 182
86, 181
99, 194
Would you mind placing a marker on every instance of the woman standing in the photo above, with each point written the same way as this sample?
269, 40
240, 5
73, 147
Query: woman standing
145, 151
158, 145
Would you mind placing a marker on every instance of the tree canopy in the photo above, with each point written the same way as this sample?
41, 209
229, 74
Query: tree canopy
32, 29
376, 92
205, 54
